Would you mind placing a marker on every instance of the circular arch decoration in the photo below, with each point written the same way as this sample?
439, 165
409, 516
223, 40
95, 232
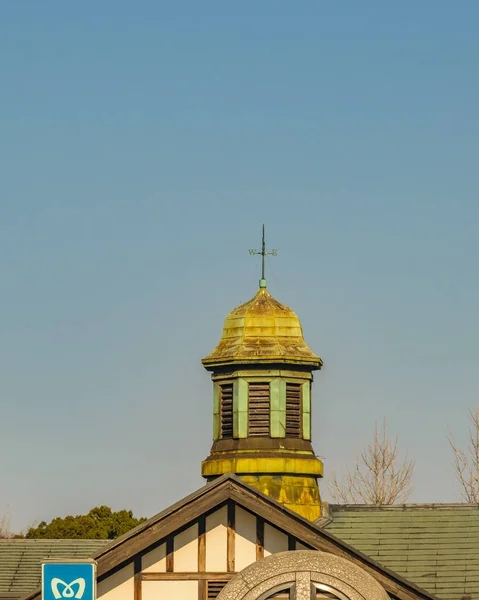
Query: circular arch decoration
301, 571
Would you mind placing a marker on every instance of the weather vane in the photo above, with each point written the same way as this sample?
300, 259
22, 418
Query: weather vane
263, 253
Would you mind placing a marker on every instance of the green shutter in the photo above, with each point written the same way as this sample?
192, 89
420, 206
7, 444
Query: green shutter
240, 408
306, 410
278, 408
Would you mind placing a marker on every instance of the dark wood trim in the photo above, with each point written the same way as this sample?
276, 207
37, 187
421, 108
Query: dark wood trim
290, 373
229, 367
202, 589
214, 509
137, 579
230, 488
162, 540
176, 517
170, 553
306, 546
230, 559
326, 542
251, 511
291, 542
115, 569
186, 576
259, 538
202, 544
262, 444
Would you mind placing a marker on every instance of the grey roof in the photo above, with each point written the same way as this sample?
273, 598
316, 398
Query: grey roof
20, 561
435, 546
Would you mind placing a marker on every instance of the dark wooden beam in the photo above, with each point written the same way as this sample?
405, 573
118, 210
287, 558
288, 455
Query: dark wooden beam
170, 566
259, 538
202, 544
326, 542
183, 513
186, 576
230, 557
137, 580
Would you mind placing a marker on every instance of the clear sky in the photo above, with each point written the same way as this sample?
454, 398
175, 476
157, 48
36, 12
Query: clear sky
143, 144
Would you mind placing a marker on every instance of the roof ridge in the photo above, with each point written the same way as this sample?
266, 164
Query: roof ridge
444, 505
49, 540
220, 491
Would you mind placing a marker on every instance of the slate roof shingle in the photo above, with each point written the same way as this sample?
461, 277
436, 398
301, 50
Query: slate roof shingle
20, 560
435, 546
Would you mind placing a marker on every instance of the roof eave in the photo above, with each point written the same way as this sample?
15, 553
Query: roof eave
230, 487
311, 363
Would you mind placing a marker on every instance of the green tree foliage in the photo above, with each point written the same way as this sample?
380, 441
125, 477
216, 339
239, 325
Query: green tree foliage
100, 523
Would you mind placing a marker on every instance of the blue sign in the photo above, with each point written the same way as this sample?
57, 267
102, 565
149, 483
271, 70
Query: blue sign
71, 580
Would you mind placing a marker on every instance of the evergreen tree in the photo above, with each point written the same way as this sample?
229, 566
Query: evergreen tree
100, 523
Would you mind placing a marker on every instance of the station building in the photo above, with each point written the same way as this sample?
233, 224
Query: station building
258, 528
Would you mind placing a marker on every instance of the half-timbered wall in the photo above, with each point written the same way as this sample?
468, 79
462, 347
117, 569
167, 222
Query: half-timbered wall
195, 562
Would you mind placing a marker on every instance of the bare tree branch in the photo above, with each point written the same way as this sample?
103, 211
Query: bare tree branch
466, 462
378, 475
5, 526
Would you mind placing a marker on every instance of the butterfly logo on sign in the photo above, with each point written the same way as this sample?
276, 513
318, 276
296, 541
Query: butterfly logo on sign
68, 590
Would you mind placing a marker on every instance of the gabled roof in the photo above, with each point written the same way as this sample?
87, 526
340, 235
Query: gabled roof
229, 487
20, 561
434, 545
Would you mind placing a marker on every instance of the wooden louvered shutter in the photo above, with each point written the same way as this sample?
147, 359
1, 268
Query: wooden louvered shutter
227, 411
293, 410
214, 588
258, 410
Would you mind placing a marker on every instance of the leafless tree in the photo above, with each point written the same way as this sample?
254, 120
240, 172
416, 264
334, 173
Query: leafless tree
4, 526
378, 476
466, 462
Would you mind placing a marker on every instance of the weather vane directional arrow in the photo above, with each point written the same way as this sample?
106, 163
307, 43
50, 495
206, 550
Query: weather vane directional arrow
263, 253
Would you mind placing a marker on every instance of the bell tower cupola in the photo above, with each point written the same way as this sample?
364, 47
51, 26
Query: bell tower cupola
262, 371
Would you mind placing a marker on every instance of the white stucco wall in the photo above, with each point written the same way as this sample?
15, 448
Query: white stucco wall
216, 541
119, 586
274, 540
245, 539
155, 561
186, 550
170, 590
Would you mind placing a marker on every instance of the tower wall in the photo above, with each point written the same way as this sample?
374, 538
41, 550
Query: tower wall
262, 379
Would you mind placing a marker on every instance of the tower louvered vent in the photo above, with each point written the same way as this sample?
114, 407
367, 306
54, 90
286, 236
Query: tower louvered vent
293, 410
258, 410
227, 411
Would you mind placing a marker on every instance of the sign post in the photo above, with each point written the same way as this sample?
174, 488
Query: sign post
71, 579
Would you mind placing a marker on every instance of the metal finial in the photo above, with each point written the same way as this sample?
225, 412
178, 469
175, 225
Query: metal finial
262, 282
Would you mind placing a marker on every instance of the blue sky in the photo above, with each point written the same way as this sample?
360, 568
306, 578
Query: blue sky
143, 145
